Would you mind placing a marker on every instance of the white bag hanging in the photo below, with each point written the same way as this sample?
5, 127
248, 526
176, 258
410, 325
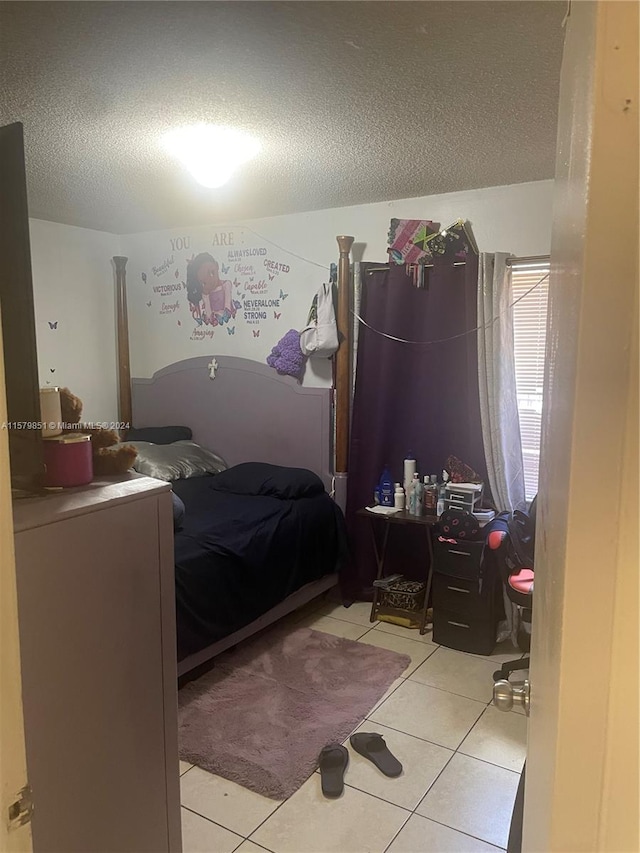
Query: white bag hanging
320, 337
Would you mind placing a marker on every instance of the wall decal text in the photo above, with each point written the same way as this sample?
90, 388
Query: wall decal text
226, 238
162, 268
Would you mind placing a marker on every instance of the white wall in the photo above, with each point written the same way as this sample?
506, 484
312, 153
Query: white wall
74, 290
513, 218
271, 289
74, 281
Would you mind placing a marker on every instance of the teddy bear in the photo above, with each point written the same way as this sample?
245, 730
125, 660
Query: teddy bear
109, 456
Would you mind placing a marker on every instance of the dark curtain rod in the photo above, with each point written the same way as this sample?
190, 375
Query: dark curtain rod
531, 259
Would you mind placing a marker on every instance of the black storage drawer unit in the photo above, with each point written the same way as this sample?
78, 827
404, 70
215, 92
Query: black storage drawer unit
466, 634
462, 596
458, 559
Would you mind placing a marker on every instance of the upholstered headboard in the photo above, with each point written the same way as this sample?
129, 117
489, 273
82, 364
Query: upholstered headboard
246, 413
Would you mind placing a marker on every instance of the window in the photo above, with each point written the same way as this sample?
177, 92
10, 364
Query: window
530, 335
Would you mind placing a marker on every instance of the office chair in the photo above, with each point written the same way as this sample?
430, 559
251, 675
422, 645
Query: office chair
511, 539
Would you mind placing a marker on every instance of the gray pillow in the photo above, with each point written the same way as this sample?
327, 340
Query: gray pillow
177, 461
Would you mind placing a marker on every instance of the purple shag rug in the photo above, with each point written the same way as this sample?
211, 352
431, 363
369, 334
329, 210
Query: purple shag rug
262, 715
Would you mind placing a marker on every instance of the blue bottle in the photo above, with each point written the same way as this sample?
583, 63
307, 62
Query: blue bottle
387, 488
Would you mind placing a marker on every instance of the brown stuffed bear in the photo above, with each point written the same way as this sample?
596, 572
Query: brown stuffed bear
109, 456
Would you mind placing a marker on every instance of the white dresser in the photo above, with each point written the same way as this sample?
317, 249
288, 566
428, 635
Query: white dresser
96, 605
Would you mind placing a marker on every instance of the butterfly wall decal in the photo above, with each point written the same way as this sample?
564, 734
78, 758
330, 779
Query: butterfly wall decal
237, 304
231, 330
251, 279
271, 276
144, 277
225, 269
177, 274
282, 294
256, 333
148, 305
277, 315
53, 325
52, 369
198, 320
179, 323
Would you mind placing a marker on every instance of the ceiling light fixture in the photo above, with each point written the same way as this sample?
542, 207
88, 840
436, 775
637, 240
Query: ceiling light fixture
212, 153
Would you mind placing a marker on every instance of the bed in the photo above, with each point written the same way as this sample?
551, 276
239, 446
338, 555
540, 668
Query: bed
241, 552
245, 558
252, 541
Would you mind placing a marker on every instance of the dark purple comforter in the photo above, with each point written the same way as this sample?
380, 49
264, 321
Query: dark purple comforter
239, 553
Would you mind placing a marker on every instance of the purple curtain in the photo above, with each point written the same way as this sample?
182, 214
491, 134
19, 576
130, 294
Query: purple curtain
410, 397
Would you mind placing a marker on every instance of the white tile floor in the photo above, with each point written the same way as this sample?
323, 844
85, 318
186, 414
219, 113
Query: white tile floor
461, 758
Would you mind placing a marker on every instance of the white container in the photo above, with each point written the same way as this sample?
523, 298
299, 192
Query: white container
50, 412
409, 471
398, 497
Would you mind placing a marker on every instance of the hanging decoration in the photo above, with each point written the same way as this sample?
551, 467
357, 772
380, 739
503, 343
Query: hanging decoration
423, 242
408, 240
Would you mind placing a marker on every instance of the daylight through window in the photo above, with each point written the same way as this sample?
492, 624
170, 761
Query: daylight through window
530, 335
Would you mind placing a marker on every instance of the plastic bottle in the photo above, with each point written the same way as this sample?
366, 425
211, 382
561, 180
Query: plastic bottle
415, 506
398, 497
386, 488
419, 490
441, 494
409, 498
428, 499
434, 492
409, 471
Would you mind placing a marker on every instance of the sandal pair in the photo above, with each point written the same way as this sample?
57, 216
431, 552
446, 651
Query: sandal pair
334, 758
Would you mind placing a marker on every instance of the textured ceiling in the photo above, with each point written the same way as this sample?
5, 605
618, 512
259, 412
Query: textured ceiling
354, 102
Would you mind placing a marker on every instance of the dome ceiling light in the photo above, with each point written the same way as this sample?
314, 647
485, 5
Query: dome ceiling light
212, 153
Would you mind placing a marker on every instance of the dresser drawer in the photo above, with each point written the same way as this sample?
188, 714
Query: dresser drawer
462, 596
464, 633
458, 559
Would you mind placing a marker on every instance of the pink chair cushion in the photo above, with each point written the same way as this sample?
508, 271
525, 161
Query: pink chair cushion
494, 539
522, 581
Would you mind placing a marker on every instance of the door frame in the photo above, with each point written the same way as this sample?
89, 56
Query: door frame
581, 790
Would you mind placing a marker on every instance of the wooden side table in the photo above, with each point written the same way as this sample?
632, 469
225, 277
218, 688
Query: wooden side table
398, 518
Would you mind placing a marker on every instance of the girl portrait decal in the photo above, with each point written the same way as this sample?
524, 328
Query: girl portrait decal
209, 296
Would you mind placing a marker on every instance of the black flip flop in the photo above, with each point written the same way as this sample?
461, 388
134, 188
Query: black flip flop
372, 746
332, 761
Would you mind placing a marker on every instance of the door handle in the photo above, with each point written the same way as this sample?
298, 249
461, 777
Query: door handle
506, 695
